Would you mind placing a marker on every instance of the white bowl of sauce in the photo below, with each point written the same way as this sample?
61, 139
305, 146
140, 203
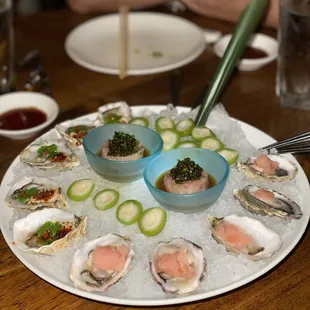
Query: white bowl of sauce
261, 50
25, 114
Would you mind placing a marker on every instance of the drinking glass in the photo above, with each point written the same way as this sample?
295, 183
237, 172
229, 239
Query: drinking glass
7, 47
293, 76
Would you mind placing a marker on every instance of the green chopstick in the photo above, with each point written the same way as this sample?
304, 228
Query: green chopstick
242, 33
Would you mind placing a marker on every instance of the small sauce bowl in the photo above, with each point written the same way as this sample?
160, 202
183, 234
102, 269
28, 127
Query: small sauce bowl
259, 41
120, 171
213, 163
18, 100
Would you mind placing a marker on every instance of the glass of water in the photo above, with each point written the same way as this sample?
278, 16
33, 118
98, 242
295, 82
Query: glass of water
293, 76
7, 47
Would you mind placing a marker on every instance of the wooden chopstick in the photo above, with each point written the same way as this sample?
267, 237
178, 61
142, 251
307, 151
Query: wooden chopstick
123, 40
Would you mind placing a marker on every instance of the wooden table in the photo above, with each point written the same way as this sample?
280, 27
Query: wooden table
249, 97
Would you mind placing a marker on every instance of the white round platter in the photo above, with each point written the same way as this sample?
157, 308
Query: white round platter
157, 43
256, 137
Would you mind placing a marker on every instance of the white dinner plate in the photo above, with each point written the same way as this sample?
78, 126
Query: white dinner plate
33, 262
157, 43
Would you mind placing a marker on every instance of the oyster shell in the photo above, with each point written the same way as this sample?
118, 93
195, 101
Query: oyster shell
64, 157
120, 108
34, 192
88, 276
273, 204
193, 262
286, 170
246, 236
75, 131
25, 231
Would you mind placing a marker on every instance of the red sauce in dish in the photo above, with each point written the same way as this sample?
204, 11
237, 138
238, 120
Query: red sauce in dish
253, 53
22, 118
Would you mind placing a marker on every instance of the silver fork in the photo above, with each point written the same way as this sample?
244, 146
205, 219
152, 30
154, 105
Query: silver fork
296, 144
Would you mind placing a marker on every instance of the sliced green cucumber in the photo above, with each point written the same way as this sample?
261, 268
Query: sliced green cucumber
230, 155
211, 143
111, 118
152, 221
106, 199
201, 132
163, 123
171, 139
141, 121
187, 143
80, 190
129, 212
185, 127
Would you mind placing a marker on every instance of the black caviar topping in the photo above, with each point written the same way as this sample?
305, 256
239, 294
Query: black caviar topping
186, 170
123, 144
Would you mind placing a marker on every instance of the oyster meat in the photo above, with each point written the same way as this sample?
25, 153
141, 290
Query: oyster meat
49, 155
34, 192
178, 266
118, 112
101, 262
48, 230
245, 236
75, 131
274, 168
264, 201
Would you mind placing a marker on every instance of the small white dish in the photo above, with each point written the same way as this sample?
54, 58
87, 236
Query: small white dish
259, 41
157, 43
25, 99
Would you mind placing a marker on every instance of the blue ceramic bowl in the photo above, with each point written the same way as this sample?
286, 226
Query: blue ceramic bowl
212, 162
120, 171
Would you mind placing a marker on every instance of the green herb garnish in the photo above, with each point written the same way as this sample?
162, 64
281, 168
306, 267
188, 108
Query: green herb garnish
48, 151
78, 129
186, 170
157, 54
47, 232
123, 144
25, 195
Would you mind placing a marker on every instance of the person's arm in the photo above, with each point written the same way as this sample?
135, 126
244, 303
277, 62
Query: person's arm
230, 10
88, 6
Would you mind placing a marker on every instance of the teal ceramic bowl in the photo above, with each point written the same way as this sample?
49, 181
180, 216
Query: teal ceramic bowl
120, 171
210, 161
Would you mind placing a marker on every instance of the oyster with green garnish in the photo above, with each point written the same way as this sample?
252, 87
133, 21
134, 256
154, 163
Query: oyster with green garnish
111, 113
122, 147
50, 155
33, 192
75, 131
48, 230
186, 177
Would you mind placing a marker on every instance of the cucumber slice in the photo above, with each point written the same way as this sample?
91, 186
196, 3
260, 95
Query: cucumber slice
211, 143
171, 139
106, 199
163, 123
187, 143
185, 127
80, 190
141, 121
129, 212
111, 118
230, 155
199, 133
153, 221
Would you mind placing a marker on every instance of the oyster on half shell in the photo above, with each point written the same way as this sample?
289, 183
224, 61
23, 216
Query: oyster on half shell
118, 112
245, 236
101, 262
264, 201
274, 168
48, 230
49, 155
34, 192
178, 266
75, 131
